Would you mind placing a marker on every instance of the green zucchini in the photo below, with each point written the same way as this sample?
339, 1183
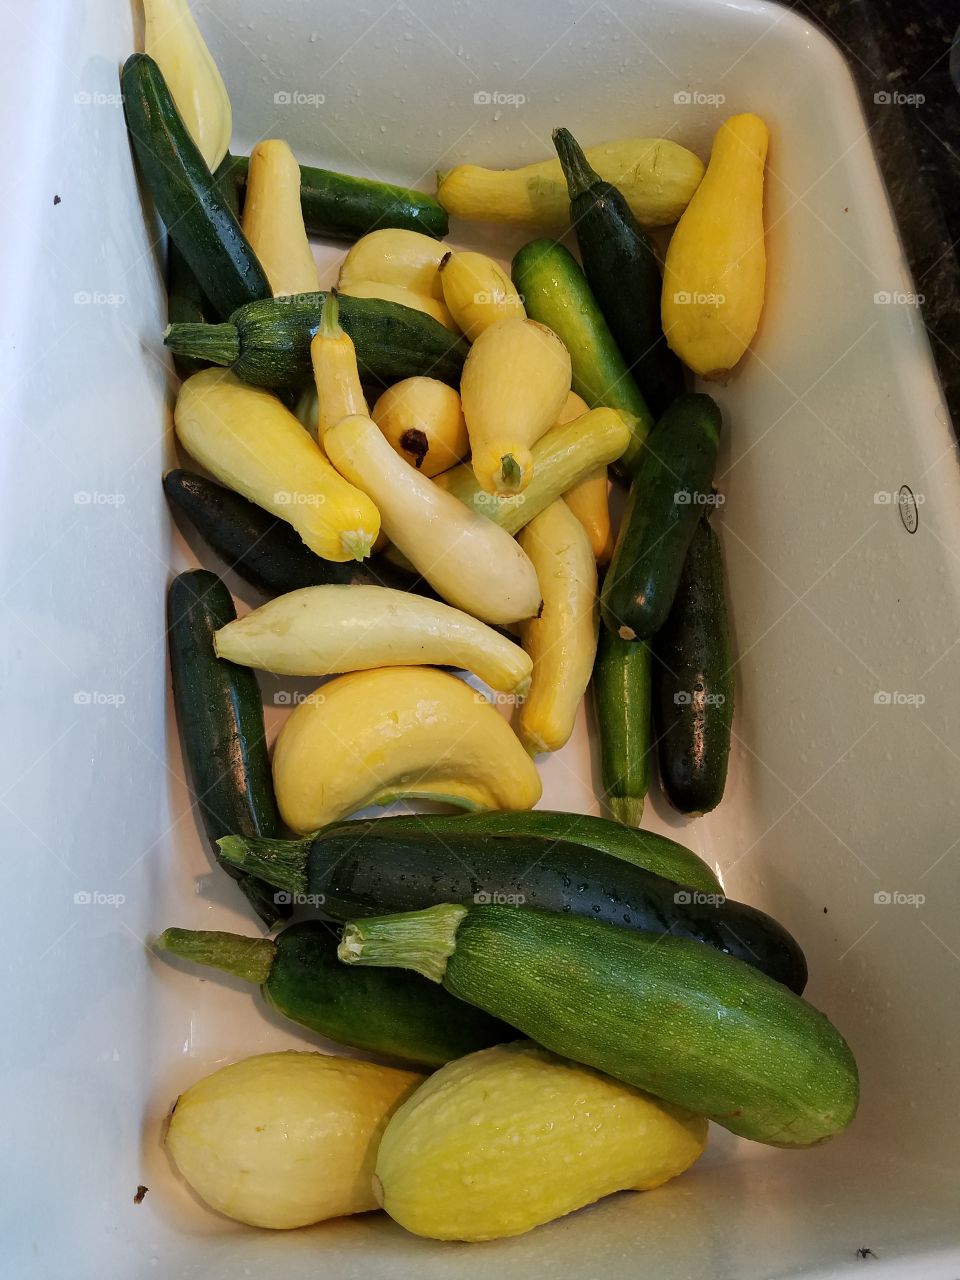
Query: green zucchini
188, 198
623, 273
396, 1014
693, 682
267, 343
658, 854
666, 500
341, 207
682, 1021
555, 292
185, 303
621, 699
356, 873
220, 715
266, 551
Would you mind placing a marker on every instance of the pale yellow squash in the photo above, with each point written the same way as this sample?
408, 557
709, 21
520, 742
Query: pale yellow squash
506, 1139
335, 373
250, 442
588, 498
478, 292
562, 639
172, 39
423, 420
715, 268
657, 178
273, 220
514, 384
372, 737
394, 256
286, 1139
437, 310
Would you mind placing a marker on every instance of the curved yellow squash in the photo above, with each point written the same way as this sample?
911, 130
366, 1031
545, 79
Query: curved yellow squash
273, 220
372, 737
172, 39
285, 1139
657, 178
511, 1137
715, 269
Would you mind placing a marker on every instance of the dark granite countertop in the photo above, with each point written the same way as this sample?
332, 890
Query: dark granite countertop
900, 55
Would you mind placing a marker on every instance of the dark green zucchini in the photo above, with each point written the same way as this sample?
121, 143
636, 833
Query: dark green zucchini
684, 1022
267, 343
359, 874
666, 500
621, 699
185, 303
623, 273
345, 208
393, 1013
693, 682
266, 551
220, 715
656, 853
188, 198
555, 292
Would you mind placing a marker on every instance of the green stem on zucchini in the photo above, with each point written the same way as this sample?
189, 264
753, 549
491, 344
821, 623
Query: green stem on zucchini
281, 863
626, 809
576, 169
249, 959
418, 940
214, 343
510, 473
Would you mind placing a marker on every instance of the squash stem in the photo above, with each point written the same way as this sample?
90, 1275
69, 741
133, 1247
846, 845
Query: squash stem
576, 168
356, 543
214, 343
419, 940
330, 326
249, 959
281, 863
510, 474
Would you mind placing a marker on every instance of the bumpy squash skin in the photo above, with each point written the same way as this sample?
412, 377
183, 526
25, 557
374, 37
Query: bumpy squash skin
512, 1137
715, 269
665, 1014
286, 1139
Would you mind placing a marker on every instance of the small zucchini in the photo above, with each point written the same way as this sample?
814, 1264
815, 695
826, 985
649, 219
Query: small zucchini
562, 639
562, 457
655, 853
406, 259
555, 292
422, 419
323, 631
397, 1015
372, 737
273, 221
220, 716
715, 269
359, 871
187, 196
342, 207
268, 342
694, 1027
286, 1139
466, 558
335, 372
666, 500
478, 292
623, 273
245, 437
532, 1136
515, 381
621, 699
172, 39
264, 550
656, 176
693, 682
